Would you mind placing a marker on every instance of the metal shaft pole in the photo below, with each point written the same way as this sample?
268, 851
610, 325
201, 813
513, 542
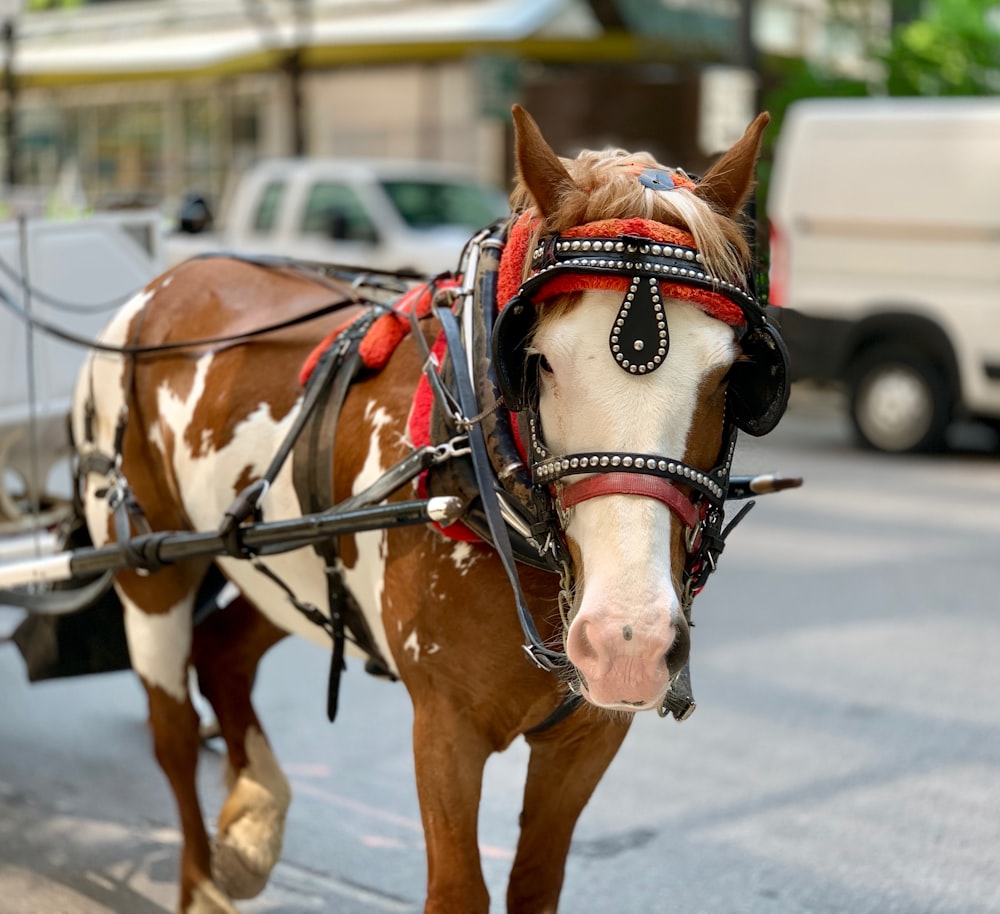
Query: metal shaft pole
154, 549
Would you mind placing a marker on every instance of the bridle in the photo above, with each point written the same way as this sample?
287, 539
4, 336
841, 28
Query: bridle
694, 496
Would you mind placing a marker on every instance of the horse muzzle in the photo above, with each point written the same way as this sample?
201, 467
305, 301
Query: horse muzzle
624, 664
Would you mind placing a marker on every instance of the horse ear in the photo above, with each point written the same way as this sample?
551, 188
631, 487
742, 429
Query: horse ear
727, 184
538, 166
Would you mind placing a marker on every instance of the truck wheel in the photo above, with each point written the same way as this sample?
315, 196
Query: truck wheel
900, 401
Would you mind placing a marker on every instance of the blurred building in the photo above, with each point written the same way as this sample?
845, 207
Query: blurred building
143, 100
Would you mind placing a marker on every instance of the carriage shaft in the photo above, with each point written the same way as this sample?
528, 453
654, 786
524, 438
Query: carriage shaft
152, 550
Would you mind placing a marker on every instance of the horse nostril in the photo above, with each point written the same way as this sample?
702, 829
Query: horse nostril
679, 651
580, 644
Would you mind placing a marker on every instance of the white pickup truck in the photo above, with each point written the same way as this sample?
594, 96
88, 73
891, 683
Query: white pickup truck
392, 215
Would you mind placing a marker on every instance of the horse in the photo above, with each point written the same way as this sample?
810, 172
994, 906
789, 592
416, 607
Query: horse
625, 351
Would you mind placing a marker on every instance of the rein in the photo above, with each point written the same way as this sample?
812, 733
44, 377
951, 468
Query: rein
462, 406
264, 263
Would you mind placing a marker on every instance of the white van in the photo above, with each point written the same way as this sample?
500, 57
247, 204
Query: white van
885, 258
383, 214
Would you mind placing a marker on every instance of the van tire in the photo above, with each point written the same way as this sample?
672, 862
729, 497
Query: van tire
900, 401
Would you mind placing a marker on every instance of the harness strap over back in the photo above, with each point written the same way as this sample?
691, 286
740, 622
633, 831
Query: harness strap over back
312, 473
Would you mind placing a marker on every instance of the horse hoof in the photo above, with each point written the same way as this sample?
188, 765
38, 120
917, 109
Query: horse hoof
208, 899
240, 874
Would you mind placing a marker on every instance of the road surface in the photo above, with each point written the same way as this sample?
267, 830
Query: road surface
844, 757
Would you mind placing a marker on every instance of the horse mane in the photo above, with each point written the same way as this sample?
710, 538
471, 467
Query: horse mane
607, 187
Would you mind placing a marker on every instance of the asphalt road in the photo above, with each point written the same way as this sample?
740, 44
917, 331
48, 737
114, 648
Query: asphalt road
844, 757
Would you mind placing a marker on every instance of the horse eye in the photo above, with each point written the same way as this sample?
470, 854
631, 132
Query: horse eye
544, 364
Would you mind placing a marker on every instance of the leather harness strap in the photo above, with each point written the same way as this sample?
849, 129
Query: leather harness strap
573, 493
312, 473
542, 656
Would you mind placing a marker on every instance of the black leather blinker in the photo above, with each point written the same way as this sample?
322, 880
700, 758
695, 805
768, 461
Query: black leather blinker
511, 332
759, 382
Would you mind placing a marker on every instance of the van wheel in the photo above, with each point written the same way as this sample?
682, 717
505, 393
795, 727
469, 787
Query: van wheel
900, 401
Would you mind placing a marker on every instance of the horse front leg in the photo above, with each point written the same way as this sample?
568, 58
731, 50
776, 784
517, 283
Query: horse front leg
450, 756
228, 646
567, 761
158, 611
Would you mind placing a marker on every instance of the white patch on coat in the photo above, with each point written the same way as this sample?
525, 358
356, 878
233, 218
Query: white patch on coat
366, 580
101, 379
159, 645
413, 645
207, 484
463, 556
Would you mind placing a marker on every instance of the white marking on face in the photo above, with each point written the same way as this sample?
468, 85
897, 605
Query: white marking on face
159, 646
592, 404
588, 403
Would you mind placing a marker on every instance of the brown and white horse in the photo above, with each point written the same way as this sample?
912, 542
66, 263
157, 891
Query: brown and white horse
204, 422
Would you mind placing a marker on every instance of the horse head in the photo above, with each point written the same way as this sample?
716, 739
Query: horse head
635, 349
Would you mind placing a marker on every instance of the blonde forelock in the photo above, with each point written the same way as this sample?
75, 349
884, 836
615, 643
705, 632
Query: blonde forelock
606, 188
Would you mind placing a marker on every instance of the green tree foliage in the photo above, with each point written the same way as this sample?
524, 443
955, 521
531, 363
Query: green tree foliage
953, 49
35, 5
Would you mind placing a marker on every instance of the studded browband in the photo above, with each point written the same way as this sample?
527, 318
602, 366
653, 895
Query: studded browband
639, 338
633, 254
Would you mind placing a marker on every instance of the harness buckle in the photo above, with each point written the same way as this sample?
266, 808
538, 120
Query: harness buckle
540, 657
454, 447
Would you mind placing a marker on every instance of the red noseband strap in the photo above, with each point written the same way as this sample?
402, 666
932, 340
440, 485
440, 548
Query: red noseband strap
630, 484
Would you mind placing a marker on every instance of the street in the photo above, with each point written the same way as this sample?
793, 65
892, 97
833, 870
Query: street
844, 757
